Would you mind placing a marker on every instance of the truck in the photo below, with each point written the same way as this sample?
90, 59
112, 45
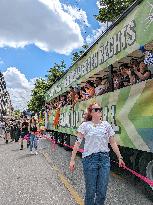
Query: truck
129, 109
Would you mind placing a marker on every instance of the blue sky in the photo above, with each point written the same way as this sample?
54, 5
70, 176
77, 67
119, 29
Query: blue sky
34, 62
38, 33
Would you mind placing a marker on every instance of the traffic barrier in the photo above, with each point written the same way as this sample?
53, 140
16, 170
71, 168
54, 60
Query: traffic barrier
143, 178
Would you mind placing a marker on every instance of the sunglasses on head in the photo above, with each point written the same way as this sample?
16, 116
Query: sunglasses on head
97, 109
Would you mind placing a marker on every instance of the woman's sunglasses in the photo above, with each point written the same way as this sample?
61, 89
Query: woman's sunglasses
97, 109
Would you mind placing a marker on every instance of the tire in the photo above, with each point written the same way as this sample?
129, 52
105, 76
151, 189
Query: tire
67, 142
55, 137
60, 139
146, 169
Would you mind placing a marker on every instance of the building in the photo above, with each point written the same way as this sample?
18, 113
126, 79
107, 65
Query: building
5, 101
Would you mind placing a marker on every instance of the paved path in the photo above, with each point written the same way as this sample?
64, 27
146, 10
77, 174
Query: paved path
28, 179
45, 179
121, 189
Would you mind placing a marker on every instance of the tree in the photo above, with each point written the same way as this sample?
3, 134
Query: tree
38, 95
111, 9
42, 85
76, 55
55, 73
17, 113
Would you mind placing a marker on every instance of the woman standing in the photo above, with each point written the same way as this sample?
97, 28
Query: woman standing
33, 138
96, 161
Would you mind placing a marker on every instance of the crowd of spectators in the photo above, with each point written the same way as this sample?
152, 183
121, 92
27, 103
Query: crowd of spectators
127, 74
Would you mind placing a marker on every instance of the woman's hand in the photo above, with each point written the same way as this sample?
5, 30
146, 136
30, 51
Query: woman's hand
72, 165
121, 163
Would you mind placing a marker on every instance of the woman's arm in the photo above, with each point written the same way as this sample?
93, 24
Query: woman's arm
141, 76
80, 136
132, 77
115, 148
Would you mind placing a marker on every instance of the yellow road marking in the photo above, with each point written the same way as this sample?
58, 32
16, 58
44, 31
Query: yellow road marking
70, 188
64, 180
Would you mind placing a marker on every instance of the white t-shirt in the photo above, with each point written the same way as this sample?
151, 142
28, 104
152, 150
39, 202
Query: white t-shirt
96, 137
99, 89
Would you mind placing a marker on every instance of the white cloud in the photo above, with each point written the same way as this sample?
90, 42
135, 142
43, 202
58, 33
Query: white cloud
96, 34
19, 87
44, 23
76, 14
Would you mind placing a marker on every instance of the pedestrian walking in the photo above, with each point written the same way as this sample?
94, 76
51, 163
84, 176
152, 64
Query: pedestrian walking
7, 132
96, 161
12, 131
17, 131
24, 130
33, 137
2, 127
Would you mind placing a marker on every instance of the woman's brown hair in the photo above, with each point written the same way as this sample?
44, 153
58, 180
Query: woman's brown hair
88, 116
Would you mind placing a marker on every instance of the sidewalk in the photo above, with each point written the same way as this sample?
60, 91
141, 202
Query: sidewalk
28, 179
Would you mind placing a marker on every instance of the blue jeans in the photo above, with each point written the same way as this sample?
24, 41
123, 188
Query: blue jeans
96, 169
33, 142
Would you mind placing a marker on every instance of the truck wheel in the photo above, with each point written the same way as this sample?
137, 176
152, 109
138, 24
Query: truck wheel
146, 169
55, 137
67, 142
60, 139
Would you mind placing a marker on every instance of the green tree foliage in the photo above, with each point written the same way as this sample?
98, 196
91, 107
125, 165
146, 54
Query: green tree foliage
55, 73
16, 114
41, 86
111, 9
38, 95
76, 55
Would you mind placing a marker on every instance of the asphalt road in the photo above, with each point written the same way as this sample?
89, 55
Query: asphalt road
45, 179
28, 179
122, 190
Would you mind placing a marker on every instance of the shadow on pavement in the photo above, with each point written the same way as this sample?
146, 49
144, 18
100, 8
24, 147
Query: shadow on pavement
15, 150
26, 156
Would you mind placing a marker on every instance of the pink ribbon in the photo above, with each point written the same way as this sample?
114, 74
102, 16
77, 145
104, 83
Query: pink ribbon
143, 178
26, 137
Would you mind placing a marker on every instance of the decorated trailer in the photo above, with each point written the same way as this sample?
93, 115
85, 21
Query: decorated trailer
128, 109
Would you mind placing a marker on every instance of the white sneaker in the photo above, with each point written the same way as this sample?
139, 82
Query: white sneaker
36, 153
31, 152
